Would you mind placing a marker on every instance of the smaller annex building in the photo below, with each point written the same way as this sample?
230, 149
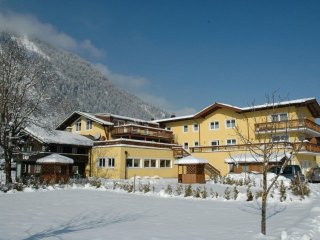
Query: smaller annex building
40, 143
124, 147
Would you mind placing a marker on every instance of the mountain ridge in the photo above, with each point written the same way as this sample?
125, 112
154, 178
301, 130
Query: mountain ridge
80, 86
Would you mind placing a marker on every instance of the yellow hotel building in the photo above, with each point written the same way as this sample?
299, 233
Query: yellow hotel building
124, 147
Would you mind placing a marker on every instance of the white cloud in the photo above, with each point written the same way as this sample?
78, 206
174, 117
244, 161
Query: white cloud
136, 85
29, 25
129, 83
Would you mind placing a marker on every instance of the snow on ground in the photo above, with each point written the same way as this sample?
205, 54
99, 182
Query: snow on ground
85, 212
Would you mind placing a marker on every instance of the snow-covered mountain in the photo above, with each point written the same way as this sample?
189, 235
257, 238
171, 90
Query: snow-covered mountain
78, 85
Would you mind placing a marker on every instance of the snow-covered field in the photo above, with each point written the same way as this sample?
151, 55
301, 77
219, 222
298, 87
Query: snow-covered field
76, 212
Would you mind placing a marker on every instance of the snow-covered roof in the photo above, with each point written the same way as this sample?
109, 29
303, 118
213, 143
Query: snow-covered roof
216, 105
254, 158
57, 137
190, 160
125, 118
277, 104
55, 158
173, 119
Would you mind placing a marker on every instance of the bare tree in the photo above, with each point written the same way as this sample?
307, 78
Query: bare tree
265, 148
23, 84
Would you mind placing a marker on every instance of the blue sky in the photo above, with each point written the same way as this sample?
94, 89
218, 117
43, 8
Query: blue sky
185, 55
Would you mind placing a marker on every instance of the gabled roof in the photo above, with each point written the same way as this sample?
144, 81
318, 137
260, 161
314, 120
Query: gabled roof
47, 136
206, 111
310, 103
76, 114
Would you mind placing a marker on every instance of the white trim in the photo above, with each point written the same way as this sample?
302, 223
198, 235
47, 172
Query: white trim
214, 124
194, 143
215, 140
231, 139
194, 128
230, 119
183, 128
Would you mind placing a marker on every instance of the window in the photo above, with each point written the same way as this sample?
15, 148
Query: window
185, 128
75, 169
165, 163
280, 138
214, 125
215, 143
168, 128
230, 123
279, 117
101, 162
150, 163
231, 141
196, 144
186, 145
78, 125
74, 150
88, 124
59, 149
133, 162
245, 168
37, 168
195, 127
106, 162
111, 162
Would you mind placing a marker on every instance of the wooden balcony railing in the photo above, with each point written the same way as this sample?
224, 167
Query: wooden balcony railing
287, 125
143, 131
134, 142
302, 147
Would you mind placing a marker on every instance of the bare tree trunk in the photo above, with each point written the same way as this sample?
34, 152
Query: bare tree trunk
264, 203
7, 166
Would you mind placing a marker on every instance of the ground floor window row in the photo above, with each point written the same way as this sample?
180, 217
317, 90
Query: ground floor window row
135, 163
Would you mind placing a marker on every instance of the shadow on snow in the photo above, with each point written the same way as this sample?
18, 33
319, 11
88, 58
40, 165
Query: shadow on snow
84, 222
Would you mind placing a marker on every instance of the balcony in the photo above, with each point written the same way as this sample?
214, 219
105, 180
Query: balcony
139, 132
301, 147
302, 125
134, 142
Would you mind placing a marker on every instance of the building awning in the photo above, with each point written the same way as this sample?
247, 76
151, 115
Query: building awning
255, 158
190, 160
55, 158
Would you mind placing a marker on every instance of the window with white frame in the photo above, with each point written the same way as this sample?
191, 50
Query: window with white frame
78, 125
88, 124
195, 127
101, 162
280, 138
150, 163
214, 125
106, 162
230, 123
231, 141
185, 128
215, 143
133, 162
164, 163
196, 144
186, 146
279, 117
